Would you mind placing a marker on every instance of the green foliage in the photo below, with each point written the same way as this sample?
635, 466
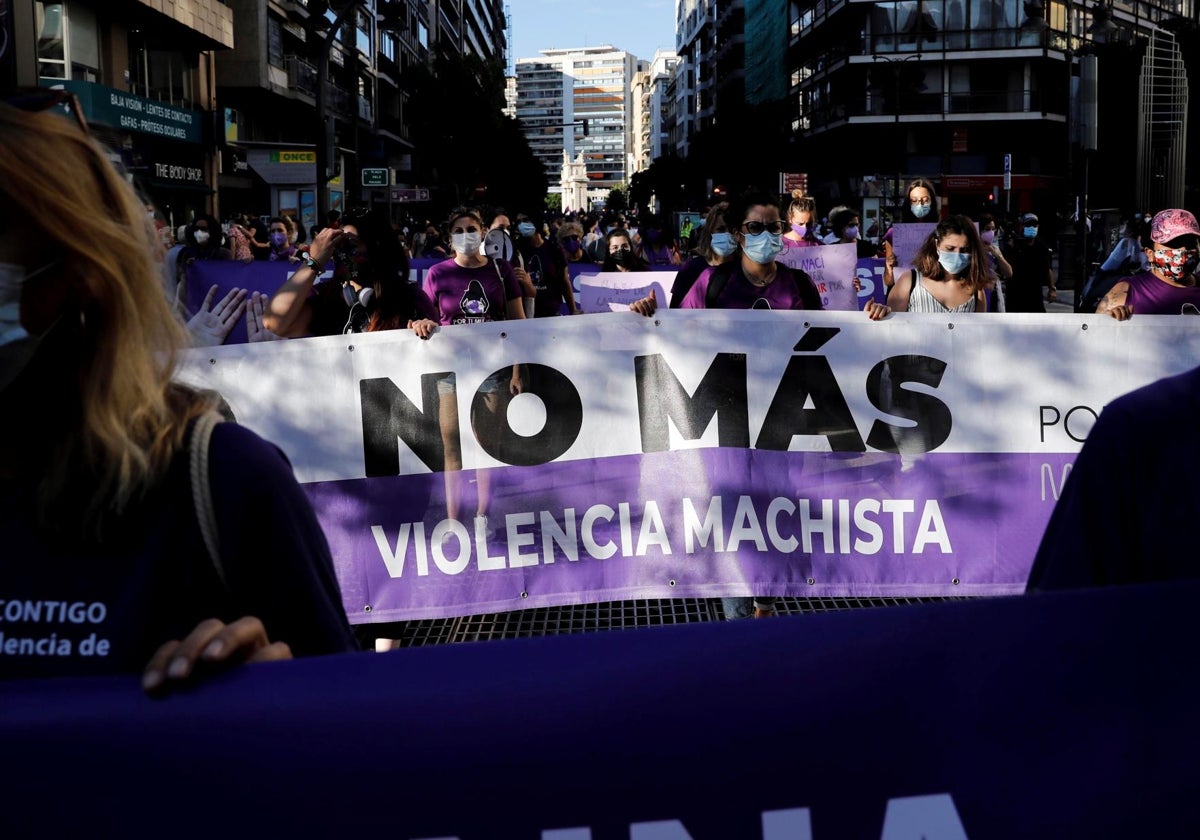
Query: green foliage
618, 200
553, 202
465, 147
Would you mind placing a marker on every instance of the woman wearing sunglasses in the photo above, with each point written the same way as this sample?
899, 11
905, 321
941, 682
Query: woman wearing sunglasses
369, 291
113, 567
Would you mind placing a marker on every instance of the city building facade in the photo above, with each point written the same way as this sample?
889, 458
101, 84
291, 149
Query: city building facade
579, 100
144, 75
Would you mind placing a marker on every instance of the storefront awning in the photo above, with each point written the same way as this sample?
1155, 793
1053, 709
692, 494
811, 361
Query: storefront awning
284, 166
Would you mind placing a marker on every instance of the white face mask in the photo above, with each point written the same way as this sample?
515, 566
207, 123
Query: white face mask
466, 243
16, 345
201, 237
11, 279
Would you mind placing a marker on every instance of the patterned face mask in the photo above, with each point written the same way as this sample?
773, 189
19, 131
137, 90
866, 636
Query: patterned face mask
1177, 263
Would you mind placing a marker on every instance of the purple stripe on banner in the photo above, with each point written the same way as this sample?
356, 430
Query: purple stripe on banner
749, 522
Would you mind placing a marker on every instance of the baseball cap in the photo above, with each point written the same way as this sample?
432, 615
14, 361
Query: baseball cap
1171, 224
1029, 218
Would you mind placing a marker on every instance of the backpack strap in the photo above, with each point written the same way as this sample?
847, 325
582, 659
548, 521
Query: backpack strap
202, 500
716, 284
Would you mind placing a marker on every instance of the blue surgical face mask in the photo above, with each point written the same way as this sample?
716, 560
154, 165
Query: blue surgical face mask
920, 210
851, 232
1030, 232
526, 228
953, 261
723, 244
763, 247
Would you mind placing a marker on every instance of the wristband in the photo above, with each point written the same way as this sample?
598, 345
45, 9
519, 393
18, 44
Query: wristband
307, 259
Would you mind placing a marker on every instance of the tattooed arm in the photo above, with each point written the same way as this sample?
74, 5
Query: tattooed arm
1115, 303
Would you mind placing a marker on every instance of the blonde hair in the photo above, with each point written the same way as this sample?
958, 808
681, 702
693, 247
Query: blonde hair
129, 417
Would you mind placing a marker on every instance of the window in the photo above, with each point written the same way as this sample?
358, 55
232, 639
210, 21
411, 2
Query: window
274, 42
52, 44
83, 36
362, 34
423, 35
165, 75
68, 45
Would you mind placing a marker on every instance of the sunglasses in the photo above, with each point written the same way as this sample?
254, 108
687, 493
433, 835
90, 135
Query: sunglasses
754, 228
35, 100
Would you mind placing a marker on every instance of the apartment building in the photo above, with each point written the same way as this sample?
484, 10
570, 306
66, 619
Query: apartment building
144, 75
579, 100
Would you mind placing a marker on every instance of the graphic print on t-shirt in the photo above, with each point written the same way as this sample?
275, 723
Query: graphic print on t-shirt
474, 304
534, 269
761, 303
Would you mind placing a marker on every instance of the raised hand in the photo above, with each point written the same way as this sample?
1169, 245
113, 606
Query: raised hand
211, 325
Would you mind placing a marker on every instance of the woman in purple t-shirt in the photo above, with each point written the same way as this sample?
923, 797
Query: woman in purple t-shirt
473, 289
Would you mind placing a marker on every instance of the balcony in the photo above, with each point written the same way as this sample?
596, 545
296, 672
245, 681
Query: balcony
301, 74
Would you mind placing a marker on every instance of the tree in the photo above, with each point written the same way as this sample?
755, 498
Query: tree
465, 147
553, 203
618, 200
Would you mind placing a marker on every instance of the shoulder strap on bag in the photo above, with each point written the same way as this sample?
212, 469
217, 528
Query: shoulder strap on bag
202, 487
716, 284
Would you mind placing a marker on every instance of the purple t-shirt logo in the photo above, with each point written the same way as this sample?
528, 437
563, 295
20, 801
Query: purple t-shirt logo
761, 303
474, 302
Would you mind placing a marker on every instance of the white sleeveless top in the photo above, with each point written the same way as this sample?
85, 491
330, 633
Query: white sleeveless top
921, 299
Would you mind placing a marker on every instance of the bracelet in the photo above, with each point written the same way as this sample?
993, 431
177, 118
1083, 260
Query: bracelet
307, 259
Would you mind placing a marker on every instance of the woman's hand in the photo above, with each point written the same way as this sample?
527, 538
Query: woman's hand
877, 311
211, 325
517, 385
522, 276
423, 327
255, 331
324, 244
647, 306
211, 646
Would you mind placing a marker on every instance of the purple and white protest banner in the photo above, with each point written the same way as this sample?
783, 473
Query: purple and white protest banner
832, 269
613, 291
694, 454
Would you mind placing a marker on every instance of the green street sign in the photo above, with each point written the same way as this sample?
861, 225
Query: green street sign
375, 178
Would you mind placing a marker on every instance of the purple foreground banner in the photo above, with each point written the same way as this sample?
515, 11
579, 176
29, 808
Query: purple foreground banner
1049, 716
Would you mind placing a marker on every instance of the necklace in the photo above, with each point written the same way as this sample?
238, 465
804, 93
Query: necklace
754, 281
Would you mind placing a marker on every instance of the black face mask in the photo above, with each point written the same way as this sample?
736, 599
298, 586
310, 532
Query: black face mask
619, 257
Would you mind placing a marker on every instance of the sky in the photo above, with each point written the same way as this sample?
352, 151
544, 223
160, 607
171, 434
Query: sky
636, 26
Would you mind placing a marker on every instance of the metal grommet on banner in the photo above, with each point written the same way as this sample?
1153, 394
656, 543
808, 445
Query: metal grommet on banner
671, 582
812, 582
351, 348
950, 326
367, 608
657, 323
524, 594
504, 335
806, 324
955, 581
212, 361
1085, 326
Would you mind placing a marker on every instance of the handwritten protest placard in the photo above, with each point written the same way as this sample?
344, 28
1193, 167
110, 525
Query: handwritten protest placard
832, 269
610, 291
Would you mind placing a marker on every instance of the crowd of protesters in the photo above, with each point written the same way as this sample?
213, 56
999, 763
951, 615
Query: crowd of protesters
187, 539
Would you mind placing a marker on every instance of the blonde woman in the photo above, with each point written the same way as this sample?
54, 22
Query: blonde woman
102, 545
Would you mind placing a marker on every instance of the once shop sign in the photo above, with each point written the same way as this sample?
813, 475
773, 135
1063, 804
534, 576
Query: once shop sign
121, 109
293, 157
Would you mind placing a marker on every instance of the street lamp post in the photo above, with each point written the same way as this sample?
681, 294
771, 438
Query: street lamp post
897, 60
324, 154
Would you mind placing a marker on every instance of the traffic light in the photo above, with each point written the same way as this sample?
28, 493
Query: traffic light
585, 128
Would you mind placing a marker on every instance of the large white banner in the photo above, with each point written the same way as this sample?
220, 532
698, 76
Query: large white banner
693, 453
